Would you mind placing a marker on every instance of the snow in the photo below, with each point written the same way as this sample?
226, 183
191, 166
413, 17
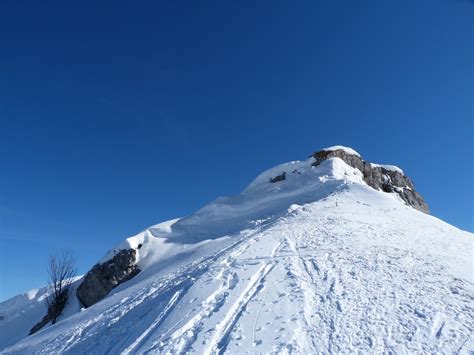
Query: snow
147, 238
341, 147
316, 263
388, 167
20, 313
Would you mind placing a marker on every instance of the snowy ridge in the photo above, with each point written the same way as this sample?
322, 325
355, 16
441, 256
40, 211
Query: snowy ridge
317, 262
230, 214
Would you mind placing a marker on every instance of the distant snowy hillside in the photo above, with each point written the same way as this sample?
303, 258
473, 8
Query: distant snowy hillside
308, 258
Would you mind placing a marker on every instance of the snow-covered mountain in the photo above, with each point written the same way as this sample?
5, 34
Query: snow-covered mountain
330, 254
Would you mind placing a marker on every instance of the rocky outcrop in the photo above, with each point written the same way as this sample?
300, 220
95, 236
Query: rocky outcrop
378, 177
278, 178
102, 278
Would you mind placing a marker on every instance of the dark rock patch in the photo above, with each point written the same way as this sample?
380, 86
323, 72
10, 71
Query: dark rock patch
102, 278
278, 178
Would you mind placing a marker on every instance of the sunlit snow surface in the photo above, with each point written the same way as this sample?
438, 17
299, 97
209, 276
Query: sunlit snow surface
319, 262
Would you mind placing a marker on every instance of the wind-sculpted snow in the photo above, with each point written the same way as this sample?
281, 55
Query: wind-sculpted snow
227, 215
355, 271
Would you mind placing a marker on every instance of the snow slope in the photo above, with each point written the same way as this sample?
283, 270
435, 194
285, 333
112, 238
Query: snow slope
318, 262
20, 313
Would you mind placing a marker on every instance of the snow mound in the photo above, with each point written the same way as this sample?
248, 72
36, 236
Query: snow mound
145, 238
303, 183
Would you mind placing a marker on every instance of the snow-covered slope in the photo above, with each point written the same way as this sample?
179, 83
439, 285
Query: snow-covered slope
315, 262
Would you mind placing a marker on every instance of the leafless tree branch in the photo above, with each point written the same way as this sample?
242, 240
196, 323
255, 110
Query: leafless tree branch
61, 273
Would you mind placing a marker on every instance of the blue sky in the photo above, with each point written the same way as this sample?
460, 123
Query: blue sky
119, 115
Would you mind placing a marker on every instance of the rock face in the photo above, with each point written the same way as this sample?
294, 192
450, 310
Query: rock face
102, 278
278, 178
378, 177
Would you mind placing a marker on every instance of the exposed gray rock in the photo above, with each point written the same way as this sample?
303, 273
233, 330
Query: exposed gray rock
102, 278
378, 177
278, 178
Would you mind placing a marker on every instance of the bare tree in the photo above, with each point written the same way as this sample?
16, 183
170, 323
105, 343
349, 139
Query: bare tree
61, 272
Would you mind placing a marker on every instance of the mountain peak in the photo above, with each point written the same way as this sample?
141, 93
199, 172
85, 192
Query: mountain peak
386, 178
346, 150
315, 256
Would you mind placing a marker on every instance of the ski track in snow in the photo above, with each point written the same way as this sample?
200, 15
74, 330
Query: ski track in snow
169, 288
225, 327
314, 280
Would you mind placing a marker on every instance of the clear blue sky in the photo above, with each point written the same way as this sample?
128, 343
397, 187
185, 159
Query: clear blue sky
119, 115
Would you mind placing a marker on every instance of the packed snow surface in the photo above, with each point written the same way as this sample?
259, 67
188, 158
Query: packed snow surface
316, 263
